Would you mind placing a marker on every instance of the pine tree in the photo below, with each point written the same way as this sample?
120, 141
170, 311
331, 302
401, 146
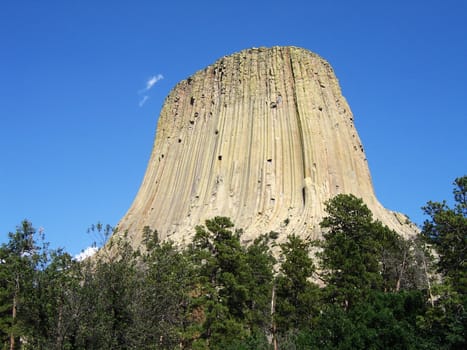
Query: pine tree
165, 277
260, 284
351, 258
231, 298
297, 297
19, 259
106, 298
222, 291
446, 231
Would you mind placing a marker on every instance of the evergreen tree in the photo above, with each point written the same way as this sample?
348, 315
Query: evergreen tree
222, 295
352, 250
260, 284
297, 298
52, 317
19, 259
230, 306
108, 285
446, 232
164, 282
383, 321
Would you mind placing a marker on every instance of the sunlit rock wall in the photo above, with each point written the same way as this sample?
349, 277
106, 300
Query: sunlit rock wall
263, 136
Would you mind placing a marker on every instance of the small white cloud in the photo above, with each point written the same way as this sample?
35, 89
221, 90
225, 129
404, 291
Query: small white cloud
149, 84
86, 253
143, 100
153, 80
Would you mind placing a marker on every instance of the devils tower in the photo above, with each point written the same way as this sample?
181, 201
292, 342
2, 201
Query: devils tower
263, 136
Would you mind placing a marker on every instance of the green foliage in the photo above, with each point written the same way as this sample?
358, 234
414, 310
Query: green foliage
296, 295
446, 232
51, 306
106, 299
351, 256
260, 263
384, 321
445, 323
378, 291
235, 284
20, 258
162, 296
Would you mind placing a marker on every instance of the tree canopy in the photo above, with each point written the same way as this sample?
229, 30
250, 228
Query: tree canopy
362, 286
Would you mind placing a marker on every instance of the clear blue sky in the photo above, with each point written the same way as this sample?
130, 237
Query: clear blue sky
75, 136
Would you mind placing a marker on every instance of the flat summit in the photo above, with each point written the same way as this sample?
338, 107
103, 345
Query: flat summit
263, 136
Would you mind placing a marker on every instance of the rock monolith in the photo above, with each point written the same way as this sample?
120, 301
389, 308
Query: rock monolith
263, 136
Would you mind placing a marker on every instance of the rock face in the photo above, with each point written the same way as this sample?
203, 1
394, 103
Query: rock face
263, 136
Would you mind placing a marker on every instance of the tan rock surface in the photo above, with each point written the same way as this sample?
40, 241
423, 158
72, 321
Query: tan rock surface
260, 136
